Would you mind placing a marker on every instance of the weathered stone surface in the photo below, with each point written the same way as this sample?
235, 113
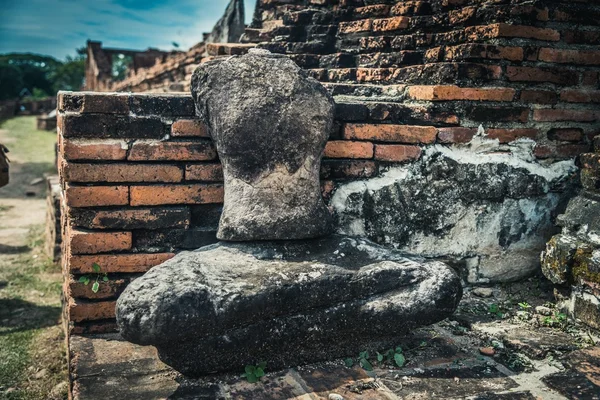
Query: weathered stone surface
270, 123
288, 302
432, 207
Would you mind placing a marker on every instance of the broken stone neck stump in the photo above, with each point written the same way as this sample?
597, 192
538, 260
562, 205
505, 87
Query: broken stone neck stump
270, 123
286, 302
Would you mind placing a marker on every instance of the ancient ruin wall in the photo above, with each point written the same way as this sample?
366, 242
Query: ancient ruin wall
457, 129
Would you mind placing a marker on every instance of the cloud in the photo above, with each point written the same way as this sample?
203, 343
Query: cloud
58, 27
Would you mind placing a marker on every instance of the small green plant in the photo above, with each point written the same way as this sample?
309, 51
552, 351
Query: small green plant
254, 372
524, 306
96, 285
363, 360
557, 319
495, 309
391, 356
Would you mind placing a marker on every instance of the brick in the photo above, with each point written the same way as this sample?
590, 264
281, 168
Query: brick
462, 15
390, 24
571, 150
351, 112
77, 149
397, 152
568, 56
374, 74
341, 74
377, 10
204, 172
122, 173
534, 74
96, 196
83, 242
116, 263
566, 134
510, 135
175, 194
90, 102
451, 92
456, 135
391, 133
348, 169
580, 96
134, 218
152, 150
590, 78
538, 96
348, 149
106, 126
500, 114
411, 8
472, 50
355, 26
81, 310
113, 103
107, 290
581, 37
527, 32
189, 128
553, 115
377, 43
162, 105
543, 151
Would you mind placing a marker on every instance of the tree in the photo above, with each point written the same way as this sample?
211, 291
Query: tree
69, 75
11, 81
40, 75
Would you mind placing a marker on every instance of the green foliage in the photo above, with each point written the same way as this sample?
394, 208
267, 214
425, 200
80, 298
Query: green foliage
96, 285
254, 372
390, 357
495, 309
39, 75
69, 75
120, 66
11, 81
524, 306
555, 320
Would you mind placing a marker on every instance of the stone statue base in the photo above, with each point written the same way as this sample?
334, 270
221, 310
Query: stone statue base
228, 305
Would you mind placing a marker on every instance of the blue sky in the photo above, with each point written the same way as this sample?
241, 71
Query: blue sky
58, 27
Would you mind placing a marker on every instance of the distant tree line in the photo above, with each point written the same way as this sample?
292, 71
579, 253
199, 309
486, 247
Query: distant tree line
38, 75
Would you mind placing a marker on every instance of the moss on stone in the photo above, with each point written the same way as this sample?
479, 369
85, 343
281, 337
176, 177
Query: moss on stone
582, 265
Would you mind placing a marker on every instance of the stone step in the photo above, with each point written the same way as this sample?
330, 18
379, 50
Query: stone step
228, 49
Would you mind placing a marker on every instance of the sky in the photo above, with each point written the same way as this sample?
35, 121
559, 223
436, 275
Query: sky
58, 27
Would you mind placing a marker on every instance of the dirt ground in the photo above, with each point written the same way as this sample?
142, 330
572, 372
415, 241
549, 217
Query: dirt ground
32, 352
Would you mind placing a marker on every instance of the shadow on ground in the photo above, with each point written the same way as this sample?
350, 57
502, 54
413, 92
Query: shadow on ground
18, 315
8, 249
25, 180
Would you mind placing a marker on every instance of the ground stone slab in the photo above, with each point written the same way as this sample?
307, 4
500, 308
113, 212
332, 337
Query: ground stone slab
227, 305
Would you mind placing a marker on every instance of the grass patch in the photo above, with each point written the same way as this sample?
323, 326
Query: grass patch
32, 353
26, 143
32, 155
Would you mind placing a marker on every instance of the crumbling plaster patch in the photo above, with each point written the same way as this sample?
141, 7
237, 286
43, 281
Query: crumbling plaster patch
486, 205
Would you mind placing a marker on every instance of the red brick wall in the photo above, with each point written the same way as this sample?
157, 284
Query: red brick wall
521, 68
141, 180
